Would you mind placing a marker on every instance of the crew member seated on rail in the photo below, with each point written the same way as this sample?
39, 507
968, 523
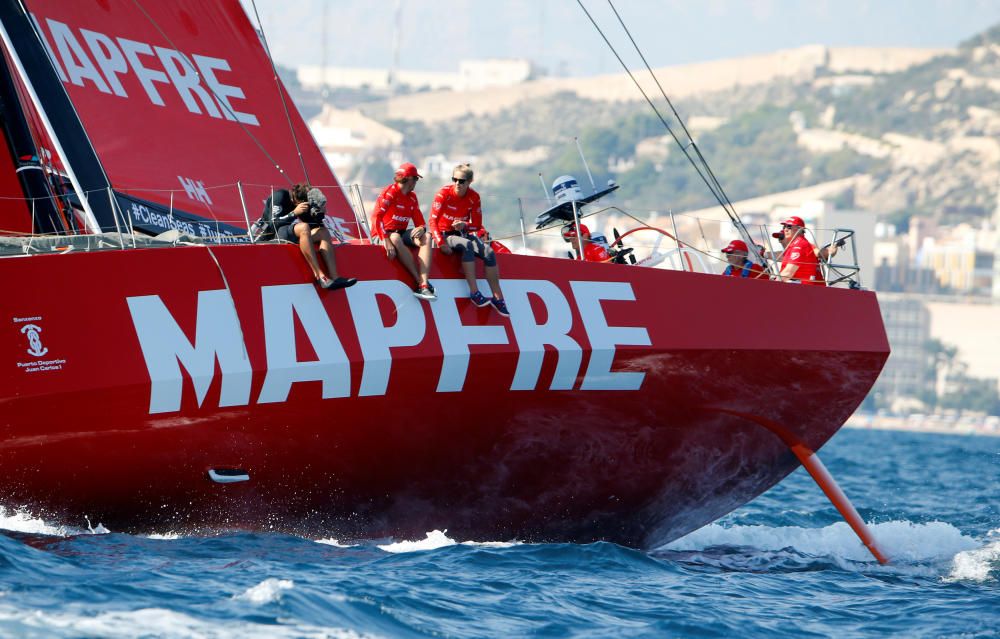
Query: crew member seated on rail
305, 227
592, 251
394, 208
457, 226
739, 264
799, 260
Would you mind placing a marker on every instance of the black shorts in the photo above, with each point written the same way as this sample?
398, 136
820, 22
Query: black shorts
287, 232
406, 236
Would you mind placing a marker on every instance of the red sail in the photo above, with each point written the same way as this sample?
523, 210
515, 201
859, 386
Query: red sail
180, 103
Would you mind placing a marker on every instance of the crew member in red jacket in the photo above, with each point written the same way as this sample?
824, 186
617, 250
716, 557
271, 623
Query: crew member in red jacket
799, 261
592, 251
740, 265
457, 226
394, 208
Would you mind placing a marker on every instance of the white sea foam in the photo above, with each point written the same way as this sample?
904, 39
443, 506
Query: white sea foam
978, 564
169, 536
333, 542
266, 591
435, 539
23, 521
902, 541
157, 622
438, 539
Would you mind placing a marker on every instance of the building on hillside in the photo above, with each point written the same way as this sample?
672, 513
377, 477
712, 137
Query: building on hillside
905, 380
471, 75
345, 136
996, 248
962, 259
440, 166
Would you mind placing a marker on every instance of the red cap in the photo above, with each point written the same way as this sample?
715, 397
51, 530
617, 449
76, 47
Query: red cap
407, 169
794, 220
736, 245
570, 231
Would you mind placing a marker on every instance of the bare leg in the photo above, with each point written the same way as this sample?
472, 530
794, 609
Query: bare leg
301, 230
405, 256
322, 237
425, 258
493, 277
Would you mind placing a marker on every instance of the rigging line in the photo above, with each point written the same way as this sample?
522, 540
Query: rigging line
222, 102
277, 83
671, 105
655, 110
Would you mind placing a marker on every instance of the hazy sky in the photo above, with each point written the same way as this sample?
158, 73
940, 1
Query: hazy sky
435, 34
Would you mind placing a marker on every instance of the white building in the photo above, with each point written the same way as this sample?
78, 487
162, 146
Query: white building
471, 75
345, 136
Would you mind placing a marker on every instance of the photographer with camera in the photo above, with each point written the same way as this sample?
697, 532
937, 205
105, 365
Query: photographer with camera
305, 227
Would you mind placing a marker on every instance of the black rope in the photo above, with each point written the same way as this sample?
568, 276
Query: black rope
727, 204
274, 70
710, 180
653, 106
222, 102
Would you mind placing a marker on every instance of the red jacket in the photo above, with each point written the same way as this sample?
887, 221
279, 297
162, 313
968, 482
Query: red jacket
801, 253
448, 207
393, 211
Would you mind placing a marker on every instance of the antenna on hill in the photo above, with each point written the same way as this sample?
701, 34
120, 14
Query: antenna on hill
593, 186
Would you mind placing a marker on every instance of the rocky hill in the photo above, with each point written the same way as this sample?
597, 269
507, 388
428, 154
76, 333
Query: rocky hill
924, 125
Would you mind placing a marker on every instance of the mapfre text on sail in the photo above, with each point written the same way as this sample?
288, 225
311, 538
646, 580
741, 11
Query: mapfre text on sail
84, 57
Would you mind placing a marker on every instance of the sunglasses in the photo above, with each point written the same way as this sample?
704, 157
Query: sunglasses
459, 180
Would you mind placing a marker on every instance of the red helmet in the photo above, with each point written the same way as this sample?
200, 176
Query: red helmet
736, 245
569, 231
406, 170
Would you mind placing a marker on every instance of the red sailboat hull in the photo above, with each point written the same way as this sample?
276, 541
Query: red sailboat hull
593, 413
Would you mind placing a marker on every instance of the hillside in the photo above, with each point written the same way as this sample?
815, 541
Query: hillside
924, 125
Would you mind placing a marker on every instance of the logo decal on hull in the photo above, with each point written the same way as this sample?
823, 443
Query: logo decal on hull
34, 340
32, 335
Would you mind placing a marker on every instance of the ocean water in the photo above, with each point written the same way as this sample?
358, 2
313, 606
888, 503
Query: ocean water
784, 565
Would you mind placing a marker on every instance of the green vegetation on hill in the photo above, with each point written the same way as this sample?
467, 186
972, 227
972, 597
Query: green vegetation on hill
756, 150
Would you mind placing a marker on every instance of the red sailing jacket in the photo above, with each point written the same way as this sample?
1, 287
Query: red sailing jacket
801, 253
448, 207
393, 211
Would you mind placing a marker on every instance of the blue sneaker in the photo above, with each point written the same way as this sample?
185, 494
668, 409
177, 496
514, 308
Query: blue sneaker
478, 299
501, 306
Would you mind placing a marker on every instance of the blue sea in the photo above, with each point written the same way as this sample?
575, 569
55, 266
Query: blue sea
784, 565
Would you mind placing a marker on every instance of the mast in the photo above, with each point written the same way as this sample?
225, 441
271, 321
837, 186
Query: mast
59, 117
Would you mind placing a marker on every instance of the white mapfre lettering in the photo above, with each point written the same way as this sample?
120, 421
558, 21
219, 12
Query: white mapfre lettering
193, 77
456, 337
166, 348
604, 338
375, 337
281, 305
532, 337
218, 337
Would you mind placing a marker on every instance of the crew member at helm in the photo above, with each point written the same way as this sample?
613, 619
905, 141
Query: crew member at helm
739, 263
592, 251
799, 261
